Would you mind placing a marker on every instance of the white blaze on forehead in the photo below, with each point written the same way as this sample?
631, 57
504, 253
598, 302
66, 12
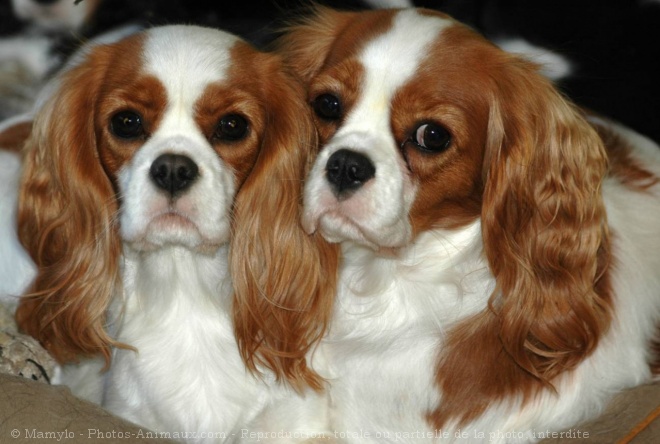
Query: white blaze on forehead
186, 59
392, 59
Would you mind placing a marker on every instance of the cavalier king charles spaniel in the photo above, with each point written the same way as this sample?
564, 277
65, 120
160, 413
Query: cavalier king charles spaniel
155, 170
500, 248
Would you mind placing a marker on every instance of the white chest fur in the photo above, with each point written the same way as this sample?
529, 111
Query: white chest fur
187, 377
390, 316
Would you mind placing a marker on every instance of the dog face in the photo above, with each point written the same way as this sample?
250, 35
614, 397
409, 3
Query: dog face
176, 137
403, 123
421, 110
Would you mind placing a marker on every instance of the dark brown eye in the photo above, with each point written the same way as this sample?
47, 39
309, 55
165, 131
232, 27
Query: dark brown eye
231, 127
327, 107
432, 137
127, 125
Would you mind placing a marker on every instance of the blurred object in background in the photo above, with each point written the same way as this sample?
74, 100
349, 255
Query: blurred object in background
601, 54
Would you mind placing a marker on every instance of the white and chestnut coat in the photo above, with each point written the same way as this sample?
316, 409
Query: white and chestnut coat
500, 250
136, 199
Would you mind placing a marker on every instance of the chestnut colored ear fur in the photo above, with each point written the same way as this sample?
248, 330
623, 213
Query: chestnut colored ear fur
545, 227
307, 41
65, 219
546, 240
284, 279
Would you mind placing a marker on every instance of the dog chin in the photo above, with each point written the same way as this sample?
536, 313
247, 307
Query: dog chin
173, 230
336, 228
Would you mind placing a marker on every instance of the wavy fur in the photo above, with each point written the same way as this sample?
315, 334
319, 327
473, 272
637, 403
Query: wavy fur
66, 223
286, 287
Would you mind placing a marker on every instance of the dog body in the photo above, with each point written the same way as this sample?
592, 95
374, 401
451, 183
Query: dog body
499, 248
141, 165
392, 315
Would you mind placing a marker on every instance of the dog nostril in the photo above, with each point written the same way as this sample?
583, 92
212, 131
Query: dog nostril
348, 170
173, 172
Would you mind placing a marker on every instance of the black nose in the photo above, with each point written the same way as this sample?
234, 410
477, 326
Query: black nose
347, 170
46, 2
173, 173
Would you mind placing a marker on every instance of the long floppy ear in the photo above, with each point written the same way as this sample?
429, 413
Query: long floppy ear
544, 225
546, 241
65, 221
284, 279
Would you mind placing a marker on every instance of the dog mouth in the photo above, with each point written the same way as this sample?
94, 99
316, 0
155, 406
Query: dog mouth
337, 227
173, 228
172, 221
336, 218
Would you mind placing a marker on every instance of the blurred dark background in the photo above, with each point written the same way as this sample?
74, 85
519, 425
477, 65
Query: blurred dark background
612, 47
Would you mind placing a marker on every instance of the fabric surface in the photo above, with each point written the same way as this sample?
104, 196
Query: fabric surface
32, 412
632, 417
